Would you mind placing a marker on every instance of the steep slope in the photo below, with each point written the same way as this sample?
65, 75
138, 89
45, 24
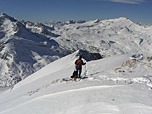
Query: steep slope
101, 91
23, 52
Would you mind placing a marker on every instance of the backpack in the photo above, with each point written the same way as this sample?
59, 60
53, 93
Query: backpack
75, 75
78, 62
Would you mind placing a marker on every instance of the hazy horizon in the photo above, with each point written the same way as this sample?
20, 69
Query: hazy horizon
57, 10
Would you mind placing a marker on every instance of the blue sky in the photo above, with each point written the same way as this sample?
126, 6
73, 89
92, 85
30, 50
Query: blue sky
62, 10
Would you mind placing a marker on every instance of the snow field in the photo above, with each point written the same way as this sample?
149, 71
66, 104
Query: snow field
103, 91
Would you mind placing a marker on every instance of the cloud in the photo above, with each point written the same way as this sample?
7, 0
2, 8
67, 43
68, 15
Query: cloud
127, 1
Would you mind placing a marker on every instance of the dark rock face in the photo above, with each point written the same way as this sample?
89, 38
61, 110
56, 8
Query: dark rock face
89, 56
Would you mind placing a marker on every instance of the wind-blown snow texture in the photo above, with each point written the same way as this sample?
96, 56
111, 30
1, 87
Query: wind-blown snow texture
113, 85
26, 47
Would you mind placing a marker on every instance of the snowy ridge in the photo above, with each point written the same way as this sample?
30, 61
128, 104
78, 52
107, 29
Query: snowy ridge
102, 91
54, 67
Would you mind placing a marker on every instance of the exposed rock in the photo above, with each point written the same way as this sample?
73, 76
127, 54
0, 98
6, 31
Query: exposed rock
89, 56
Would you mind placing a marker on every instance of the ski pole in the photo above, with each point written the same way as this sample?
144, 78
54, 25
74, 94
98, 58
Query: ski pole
85, 70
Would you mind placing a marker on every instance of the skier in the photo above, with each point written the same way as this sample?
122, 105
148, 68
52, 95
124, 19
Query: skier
78, 65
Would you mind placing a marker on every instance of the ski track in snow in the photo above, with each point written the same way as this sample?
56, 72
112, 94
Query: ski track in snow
62, 93
57, 81
144, 80
90, 108
77, 90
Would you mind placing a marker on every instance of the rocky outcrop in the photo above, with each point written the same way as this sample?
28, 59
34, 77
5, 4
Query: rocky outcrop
89, 56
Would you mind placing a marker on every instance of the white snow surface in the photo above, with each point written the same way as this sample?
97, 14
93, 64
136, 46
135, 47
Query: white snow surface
113, 85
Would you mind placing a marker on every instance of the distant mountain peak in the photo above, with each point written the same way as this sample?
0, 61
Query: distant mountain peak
96, 20
125, 18
4, 15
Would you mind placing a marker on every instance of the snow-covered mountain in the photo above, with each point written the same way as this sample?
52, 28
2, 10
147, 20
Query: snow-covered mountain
109, 37
27, 47
22, 51
120, 84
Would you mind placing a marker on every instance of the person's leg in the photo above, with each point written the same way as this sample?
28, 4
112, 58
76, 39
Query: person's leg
80, 70
77, 70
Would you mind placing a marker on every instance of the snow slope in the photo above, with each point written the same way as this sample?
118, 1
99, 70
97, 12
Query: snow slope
108, 87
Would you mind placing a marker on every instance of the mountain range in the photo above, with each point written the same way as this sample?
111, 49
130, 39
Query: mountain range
26, 47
